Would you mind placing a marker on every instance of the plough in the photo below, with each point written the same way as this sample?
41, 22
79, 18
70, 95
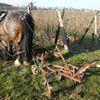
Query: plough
67, 70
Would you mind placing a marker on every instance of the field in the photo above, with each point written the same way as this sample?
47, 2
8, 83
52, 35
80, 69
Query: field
19, 83
74, 20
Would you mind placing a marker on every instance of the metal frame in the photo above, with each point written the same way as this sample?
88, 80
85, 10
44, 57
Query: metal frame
67, 70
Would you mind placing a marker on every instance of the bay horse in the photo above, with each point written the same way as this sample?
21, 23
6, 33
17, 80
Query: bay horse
17, 29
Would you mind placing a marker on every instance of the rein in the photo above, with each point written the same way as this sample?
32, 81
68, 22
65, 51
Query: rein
3, 15
29, 26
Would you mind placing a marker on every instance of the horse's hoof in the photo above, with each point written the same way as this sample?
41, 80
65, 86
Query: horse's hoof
25, 63
17, 62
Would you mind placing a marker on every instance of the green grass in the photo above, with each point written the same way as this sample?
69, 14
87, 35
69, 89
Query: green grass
18, 83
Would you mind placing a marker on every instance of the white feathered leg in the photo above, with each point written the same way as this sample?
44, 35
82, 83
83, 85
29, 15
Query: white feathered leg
17, 62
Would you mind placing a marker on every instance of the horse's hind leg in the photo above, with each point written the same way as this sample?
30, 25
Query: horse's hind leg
18, 61
23, 57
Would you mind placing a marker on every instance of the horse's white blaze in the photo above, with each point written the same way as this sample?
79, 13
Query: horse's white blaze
17, 62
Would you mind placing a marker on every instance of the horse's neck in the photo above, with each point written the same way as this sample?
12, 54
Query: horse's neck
2, 16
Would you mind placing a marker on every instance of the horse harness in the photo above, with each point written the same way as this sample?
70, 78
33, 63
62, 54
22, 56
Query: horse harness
3, 15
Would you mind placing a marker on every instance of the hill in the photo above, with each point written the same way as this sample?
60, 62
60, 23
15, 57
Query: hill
5, 5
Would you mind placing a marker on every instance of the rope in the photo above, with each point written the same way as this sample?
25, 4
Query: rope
17, 53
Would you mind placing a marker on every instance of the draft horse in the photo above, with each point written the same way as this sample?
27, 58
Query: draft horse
16, 30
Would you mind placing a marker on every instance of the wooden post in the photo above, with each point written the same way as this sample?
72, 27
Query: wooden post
29, 7
62, 30
28, 10
94, 18
95, 33
95, 25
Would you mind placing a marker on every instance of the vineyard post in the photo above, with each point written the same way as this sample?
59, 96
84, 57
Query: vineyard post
28, 10
95, 25
95, 32
29, 7
62, 30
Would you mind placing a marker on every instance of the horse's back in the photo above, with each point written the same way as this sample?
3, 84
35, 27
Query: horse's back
13, 27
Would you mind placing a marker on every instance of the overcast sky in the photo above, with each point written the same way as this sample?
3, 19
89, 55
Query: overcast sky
88, 4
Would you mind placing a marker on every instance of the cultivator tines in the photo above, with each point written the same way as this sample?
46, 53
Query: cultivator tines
75, 75
79, 74
67, 70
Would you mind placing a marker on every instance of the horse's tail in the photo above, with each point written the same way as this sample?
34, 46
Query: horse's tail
28, 37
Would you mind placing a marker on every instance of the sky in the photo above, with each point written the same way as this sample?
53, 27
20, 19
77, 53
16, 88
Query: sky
86, 4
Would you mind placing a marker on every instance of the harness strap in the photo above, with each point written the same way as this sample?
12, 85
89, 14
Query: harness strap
17, 53
29, 26
3, 15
